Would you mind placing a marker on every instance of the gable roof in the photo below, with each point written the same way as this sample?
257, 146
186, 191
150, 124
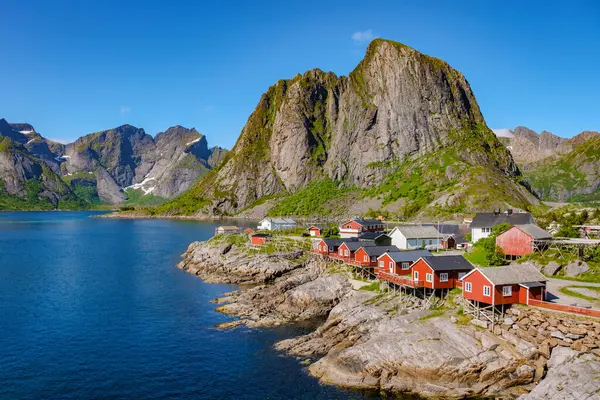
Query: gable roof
534, 231
259, 235
489, 220
448, 263
371, 235
376, 251
363, 222
511, 274
227, 227
319, 227
355, 245
338, 242
418, 232
407, 256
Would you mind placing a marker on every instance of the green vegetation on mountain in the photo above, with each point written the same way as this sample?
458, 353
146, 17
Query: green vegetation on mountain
574, 176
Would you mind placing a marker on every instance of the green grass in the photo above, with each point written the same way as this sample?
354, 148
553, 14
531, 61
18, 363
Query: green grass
312, 200
432, 314
477, 256
569, 292
136, 197
373, 287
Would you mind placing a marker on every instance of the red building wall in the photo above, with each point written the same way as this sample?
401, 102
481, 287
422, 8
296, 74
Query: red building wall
478, 281
515, 242
517, 293
316, 231
352, 225
386, 266
258, 240
360, 255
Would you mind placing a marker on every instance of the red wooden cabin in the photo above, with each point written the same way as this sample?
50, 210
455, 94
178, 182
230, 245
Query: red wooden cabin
505, 285
348, 248
329, 246
366, 256
520, 239
399, 262
357, 226
260, 238
442, 272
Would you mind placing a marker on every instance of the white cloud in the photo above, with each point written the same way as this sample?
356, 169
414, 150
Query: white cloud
125, 109
503, 132
363, 37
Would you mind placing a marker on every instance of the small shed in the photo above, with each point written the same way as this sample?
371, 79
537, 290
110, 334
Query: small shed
521, 240
259, 239
316, 230
379, 238
448, 242
515, 283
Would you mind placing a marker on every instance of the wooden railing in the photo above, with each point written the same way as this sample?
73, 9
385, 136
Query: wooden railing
360, 263
561, 307
399, 280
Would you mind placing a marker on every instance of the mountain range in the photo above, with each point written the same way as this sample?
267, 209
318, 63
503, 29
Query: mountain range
558, 169
112, 167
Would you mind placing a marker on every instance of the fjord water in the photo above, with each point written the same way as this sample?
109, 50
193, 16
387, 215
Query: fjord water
96, 309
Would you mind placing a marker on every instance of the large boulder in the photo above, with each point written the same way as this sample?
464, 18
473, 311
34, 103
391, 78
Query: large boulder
551, 268
575, 268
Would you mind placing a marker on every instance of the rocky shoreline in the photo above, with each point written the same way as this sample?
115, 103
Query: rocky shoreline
398, 345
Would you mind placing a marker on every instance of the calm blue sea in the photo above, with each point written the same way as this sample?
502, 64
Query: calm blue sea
96, 309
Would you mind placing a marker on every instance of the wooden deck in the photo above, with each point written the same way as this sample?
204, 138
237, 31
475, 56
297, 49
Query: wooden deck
400, 280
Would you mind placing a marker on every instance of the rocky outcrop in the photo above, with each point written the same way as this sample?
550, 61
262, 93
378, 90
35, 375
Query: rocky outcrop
572, 375
393, 344
397, 106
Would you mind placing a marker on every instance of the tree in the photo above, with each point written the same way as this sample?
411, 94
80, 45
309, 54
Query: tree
333, 230
567, 231
468, 237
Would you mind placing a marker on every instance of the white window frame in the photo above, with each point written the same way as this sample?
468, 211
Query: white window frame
381, 264
346, 253
468, 287
405, 265
507, 291
444, 277
429, 277
487, 289
366, 258
416, 276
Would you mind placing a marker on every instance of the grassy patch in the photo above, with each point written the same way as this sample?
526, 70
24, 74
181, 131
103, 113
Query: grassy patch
568, 290
477, 256
432, 314
373, 287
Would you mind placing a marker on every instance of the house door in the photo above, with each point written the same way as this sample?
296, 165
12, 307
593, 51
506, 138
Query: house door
416, 276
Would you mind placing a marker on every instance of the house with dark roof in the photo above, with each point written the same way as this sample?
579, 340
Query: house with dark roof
521, 240
412, 237
366, 256
399, 262
329, 246
441, 272
515, 283
258, 239
482, 224
357, 226
346, 251
379, 238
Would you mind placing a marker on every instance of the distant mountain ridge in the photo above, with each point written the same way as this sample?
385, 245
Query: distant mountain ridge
106, 166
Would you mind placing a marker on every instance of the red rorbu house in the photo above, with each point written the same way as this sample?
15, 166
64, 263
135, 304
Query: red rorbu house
441, 272
399, 262
327, 247
259, 239
366, 256
504, 285
522, 239
348, 248
358, 226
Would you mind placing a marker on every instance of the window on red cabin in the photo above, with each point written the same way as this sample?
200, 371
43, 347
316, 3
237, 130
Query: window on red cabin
507, 291
487, 290
381, 264
429, 277
405, 265
468, 287
444, 277
346, 253
366, 258
391, 266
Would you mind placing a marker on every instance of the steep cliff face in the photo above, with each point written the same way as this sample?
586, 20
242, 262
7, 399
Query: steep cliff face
393, 112
571, 176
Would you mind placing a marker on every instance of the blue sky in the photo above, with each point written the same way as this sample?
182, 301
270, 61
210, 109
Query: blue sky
75, 67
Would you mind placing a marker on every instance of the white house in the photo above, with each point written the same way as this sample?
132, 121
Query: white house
482, 224
407, 237
275, 224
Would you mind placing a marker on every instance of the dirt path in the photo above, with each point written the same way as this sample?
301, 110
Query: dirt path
553, 288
